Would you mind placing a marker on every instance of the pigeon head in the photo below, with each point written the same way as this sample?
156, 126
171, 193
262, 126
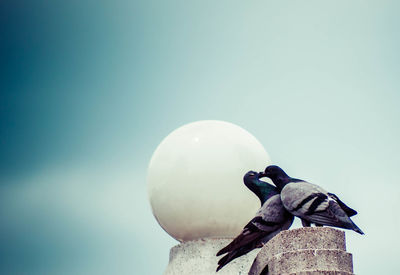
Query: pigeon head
262, 189
250, 179
251, 175
277, 175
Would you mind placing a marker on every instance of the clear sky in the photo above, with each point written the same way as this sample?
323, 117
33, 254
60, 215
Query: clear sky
88, 89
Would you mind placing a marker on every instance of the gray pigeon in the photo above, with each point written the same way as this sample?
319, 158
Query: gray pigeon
269, 220
311, 203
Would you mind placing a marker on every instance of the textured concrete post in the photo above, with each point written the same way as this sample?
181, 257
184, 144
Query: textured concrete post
198, 257
305, 251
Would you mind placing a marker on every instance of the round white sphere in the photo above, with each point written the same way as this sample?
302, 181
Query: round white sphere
195, 180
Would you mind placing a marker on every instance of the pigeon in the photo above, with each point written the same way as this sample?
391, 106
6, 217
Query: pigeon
311, 203
269, 220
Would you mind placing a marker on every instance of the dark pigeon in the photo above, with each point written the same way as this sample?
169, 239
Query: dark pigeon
269, 220
311, 203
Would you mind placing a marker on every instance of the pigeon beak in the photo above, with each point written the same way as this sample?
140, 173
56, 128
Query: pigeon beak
261, 175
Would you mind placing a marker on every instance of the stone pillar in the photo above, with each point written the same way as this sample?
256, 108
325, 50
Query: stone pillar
198, 257
305, 251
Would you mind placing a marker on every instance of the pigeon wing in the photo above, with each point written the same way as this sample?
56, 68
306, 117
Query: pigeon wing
312, 203
269, 218
334, 215
303, 198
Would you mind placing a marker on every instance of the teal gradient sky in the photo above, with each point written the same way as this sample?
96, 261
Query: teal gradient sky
88, 89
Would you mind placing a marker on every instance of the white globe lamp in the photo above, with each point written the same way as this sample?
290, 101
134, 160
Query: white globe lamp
195, 180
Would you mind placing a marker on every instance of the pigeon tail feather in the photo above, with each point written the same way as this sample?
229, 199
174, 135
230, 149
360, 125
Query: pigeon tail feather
231, 256
357, 229
241, 240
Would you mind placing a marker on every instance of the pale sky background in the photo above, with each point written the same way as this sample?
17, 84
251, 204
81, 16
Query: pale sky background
88, 89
